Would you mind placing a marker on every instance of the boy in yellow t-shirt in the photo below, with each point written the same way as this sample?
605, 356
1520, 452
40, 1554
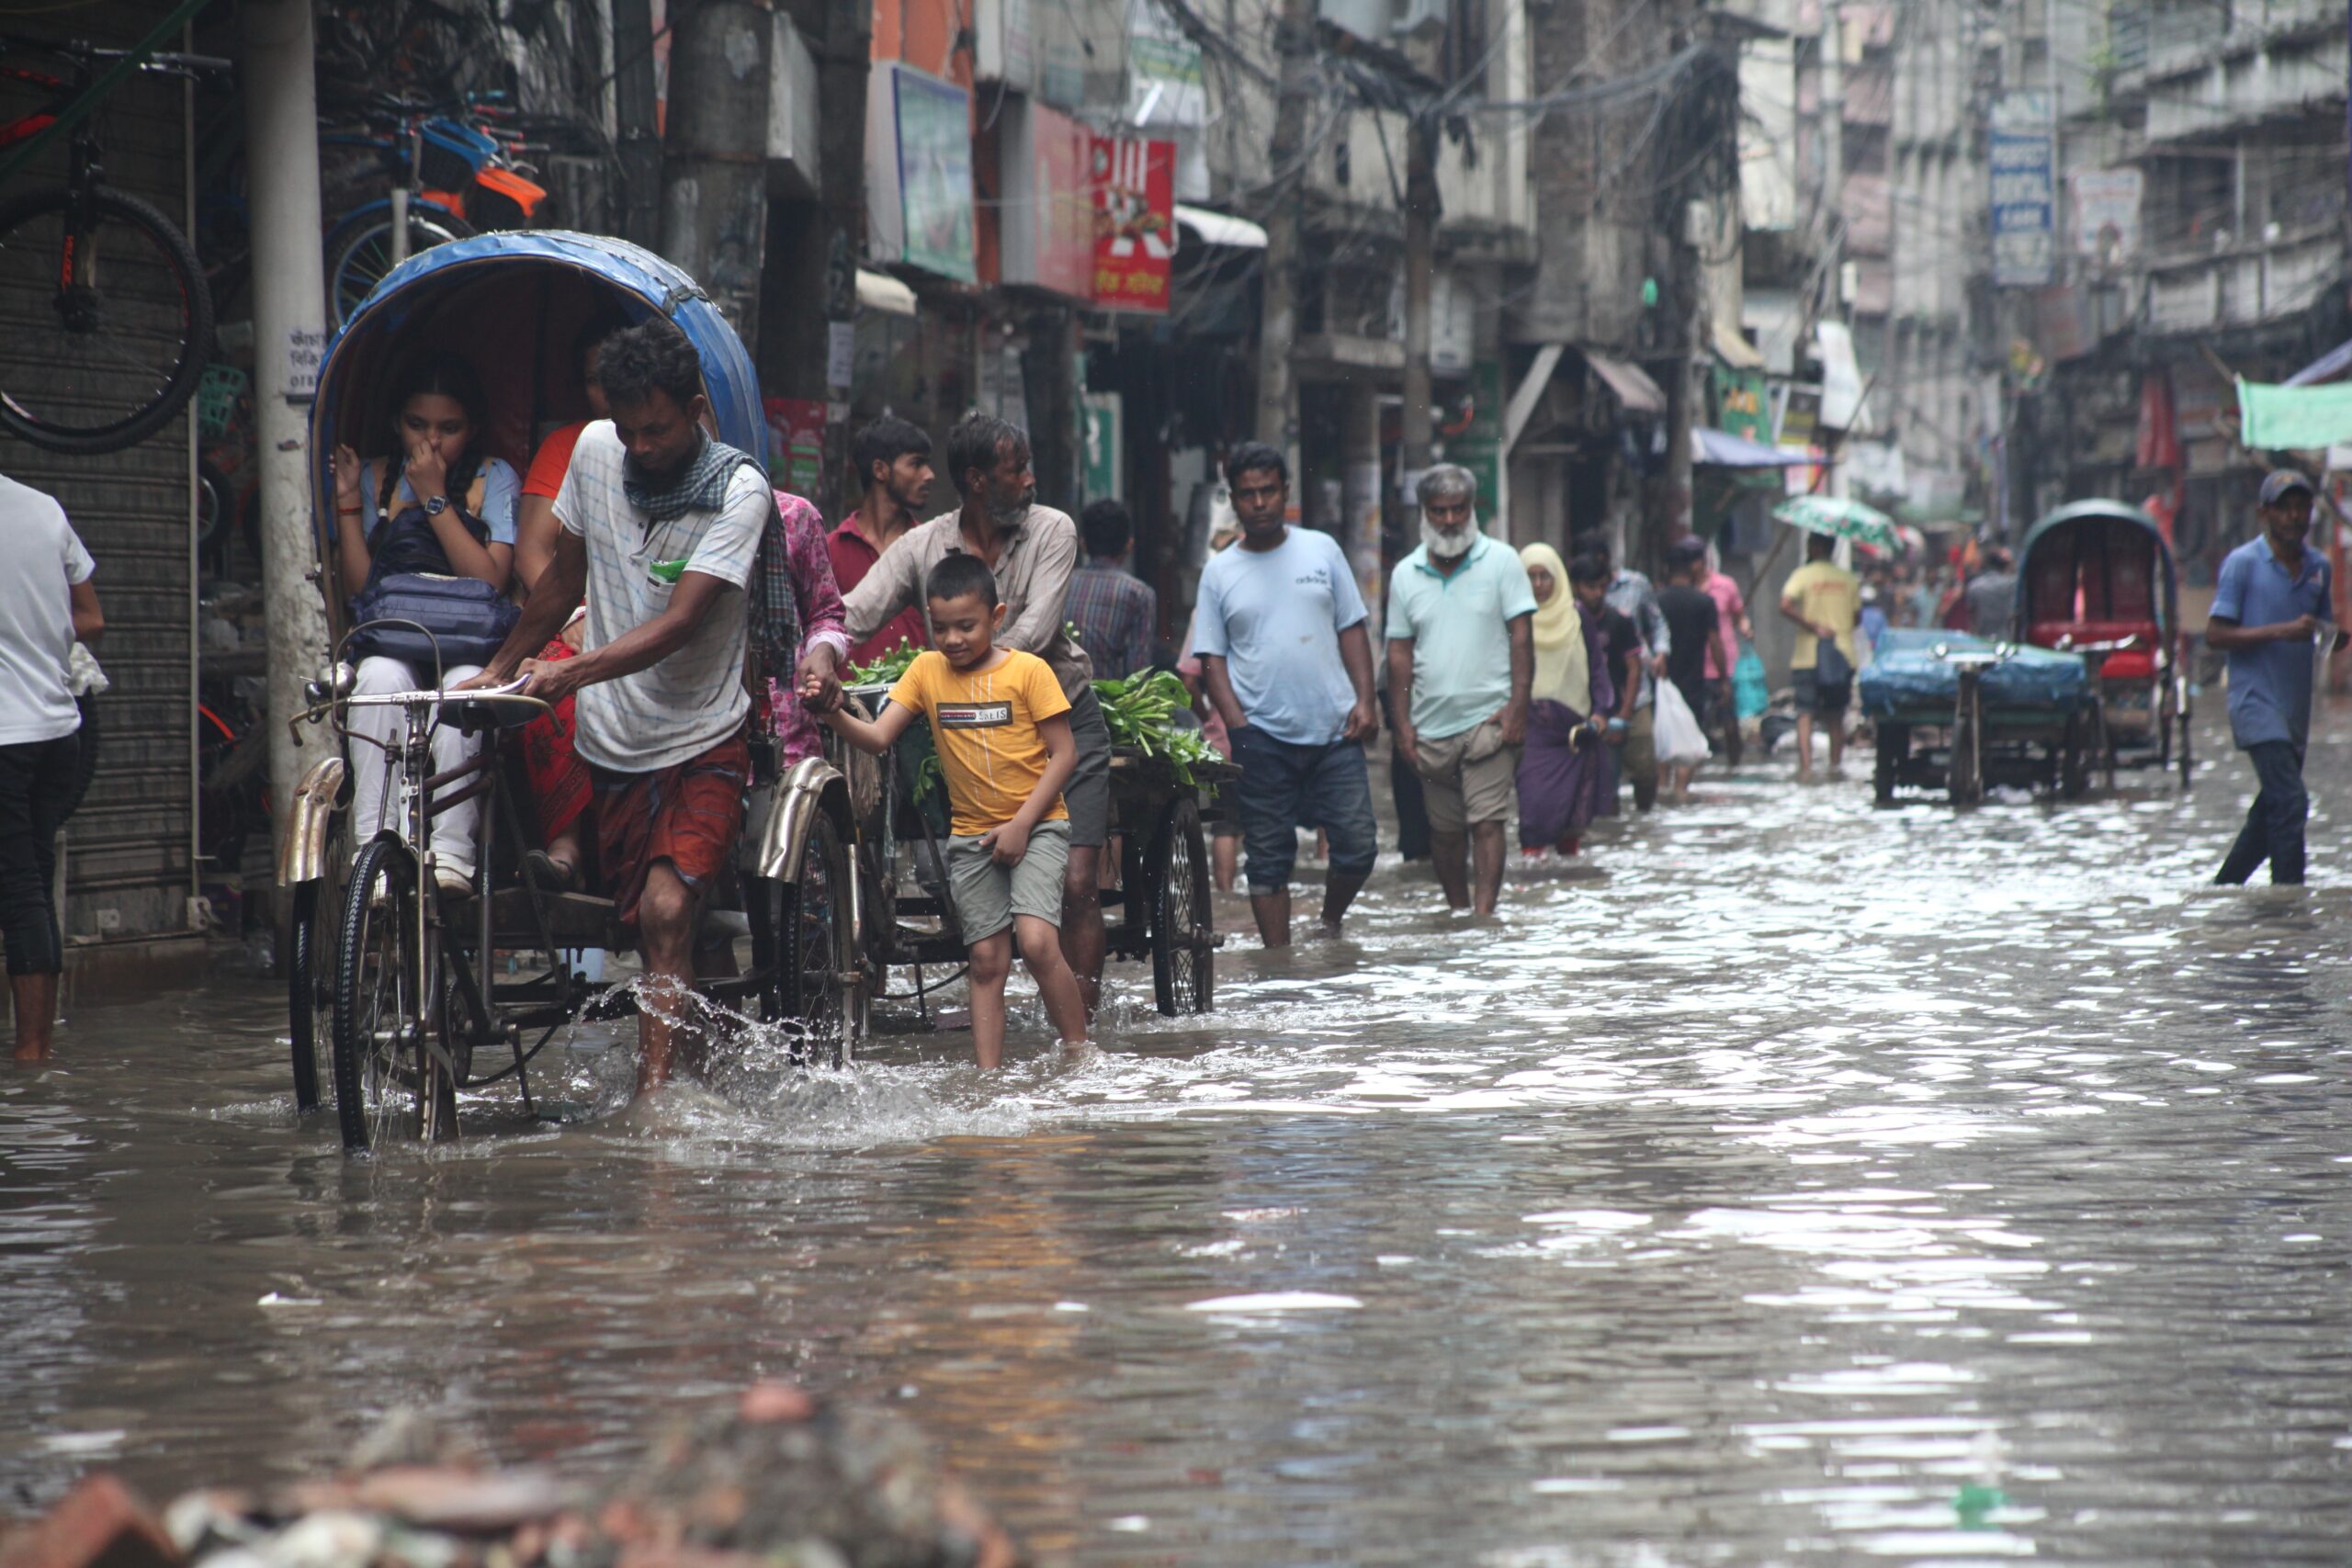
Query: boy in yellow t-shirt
1003, 729
1824, 600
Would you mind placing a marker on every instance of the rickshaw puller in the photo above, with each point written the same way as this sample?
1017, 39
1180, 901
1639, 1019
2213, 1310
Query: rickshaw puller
662, 527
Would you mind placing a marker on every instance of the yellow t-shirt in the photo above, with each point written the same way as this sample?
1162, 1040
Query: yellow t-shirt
1827, 594
985, 724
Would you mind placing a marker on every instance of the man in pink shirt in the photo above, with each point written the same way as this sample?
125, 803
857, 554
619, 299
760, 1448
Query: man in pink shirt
1723, 655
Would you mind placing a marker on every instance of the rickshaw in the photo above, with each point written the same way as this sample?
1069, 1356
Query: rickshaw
1162, 910
2095, 577
413, 998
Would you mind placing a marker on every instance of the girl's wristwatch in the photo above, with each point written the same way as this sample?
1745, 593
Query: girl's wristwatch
436, 506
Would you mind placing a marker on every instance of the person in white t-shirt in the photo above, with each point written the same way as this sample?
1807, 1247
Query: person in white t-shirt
47, 605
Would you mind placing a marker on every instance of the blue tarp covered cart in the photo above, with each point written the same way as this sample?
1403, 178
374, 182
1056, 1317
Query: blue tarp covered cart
1963, 712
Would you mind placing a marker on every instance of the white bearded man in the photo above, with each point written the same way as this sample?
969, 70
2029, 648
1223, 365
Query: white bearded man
1461, 657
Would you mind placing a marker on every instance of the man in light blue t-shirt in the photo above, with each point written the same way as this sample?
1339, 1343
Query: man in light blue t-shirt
1279, 629
2271, 603
1460, 659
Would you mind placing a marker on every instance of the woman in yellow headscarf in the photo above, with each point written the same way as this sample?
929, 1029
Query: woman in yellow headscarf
1561, 775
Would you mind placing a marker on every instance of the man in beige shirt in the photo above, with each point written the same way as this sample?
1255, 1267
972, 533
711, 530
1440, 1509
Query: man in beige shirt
1031, 549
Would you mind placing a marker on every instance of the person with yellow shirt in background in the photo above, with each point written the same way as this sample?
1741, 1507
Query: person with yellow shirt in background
1825, 602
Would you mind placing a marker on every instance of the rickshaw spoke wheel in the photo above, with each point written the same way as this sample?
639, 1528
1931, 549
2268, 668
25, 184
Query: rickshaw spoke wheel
816, 947
380, 1011
1182, 919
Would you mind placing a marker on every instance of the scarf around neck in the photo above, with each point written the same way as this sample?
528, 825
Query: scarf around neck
701, 486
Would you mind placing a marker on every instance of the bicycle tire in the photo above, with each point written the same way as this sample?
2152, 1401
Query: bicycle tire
69, 412
358, 255
371, 1080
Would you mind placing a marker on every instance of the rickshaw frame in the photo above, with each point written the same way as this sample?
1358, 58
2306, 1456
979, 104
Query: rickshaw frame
439, 286
2144, 718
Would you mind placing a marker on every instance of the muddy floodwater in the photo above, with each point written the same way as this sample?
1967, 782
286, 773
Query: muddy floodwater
1792, 1182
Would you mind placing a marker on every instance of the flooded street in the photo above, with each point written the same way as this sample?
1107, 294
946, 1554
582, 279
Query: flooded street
1794, 1181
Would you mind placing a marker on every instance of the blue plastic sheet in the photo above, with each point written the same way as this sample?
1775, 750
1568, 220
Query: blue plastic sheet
1909, 673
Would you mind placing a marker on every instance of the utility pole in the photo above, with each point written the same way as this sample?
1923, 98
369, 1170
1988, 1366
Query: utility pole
714, 172
1278, 314
841, 158
636, 121
1420, 262
290, 335
1833, 197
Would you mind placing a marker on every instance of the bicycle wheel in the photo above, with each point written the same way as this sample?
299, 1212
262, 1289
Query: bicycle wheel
113, 324
360, 250
387, 1003
1183, 920
814, 949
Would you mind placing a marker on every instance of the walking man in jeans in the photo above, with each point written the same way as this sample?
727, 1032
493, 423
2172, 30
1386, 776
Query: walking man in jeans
2268, 605
1279, 629
47, 605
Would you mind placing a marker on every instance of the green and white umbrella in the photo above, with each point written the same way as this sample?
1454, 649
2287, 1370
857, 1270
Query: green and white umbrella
1840, 519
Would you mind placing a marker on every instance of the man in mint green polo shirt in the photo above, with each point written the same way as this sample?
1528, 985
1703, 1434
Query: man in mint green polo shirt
1461, 657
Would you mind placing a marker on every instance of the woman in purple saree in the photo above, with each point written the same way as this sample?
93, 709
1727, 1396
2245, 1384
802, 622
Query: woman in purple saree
1562, 776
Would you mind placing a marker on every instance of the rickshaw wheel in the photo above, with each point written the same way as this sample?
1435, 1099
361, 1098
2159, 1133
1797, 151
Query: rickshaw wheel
1183, 962
310, 966
812, 917
381, 1088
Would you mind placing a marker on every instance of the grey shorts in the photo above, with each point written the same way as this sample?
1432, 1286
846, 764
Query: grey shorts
1813, 697
1469, 778
988, 894
1087, 796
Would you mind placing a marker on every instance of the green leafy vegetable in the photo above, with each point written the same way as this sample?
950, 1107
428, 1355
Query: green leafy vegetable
1140, 712
885, 670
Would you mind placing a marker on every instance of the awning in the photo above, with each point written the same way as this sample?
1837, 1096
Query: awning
1722, 449
1734, 350
2326, 367
1629, 381
2292, 418
1218, 228
880, 292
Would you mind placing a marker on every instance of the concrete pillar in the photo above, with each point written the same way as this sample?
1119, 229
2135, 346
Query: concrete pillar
289, 334
714, 184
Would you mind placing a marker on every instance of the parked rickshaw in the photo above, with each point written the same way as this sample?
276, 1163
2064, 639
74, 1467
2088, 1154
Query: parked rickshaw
413, 998
1964, 713
2096, 577
1161, 909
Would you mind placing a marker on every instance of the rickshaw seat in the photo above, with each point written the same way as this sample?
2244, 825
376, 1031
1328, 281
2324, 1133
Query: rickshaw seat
2136, 663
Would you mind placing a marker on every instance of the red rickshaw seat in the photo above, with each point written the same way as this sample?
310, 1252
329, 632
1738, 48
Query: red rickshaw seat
2137, 663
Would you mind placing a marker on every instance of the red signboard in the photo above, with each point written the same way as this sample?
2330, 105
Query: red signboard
1134, 222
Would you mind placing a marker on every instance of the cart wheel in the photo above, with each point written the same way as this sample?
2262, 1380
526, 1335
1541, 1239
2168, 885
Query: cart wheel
813, 922
2073, 764
386, 1084
1183, 962
1965, 776
2187, 763
1886, 761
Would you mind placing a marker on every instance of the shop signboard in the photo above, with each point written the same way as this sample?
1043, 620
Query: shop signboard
919, 172
797, 444
2107, 214
1047, 216
1134, 222
1103, 443
2025, 207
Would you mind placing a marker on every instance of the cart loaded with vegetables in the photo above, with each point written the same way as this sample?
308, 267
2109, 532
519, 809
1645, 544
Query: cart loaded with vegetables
1166, 784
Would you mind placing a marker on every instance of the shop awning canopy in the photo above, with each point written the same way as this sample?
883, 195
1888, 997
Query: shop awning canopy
1221, 229
2326, 367
1722, 449
2293, 418
1629, 381
880, 292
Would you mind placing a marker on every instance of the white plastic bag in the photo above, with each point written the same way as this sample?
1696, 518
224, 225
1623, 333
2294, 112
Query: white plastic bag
1680, 742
